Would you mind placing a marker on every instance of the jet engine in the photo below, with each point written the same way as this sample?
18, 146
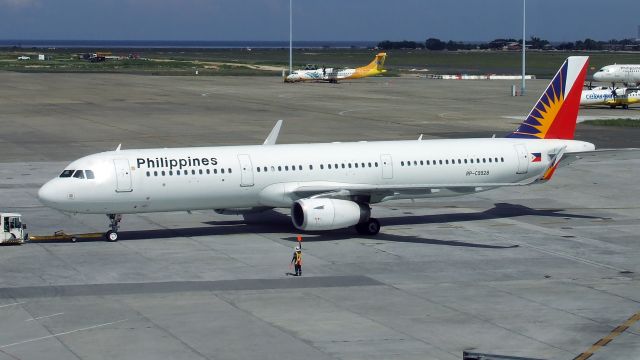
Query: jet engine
328, 214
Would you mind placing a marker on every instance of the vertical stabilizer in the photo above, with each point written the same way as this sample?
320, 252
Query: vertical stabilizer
555, 114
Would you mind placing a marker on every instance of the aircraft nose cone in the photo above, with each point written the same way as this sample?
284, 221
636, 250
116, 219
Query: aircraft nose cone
597, 76
49, 195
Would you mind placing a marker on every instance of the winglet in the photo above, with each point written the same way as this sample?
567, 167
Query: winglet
273, 135
553, 164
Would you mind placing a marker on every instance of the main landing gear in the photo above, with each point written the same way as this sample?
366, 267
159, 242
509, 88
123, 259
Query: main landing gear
114, 219
369, 227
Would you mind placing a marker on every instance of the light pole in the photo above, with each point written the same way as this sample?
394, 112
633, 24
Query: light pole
290, 36
524, 43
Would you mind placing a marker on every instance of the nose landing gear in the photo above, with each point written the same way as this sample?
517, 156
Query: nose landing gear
112, 235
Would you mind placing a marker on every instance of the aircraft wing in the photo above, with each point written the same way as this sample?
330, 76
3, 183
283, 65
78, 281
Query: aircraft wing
379, 192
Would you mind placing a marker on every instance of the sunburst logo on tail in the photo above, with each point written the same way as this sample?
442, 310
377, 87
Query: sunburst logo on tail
555, 113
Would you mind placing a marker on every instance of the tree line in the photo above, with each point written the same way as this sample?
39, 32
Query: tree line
512, 44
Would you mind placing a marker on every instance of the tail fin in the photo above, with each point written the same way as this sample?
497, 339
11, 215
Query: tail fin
554, 115
378, 62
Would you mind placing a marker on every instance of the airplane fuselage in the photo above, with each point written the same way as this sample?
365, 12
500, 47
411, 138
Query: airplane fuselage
619, 73
610, 96
153, 180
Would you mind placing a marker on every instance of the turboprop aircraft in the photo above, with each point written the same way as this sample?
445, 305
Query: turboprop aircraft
333, 75
326, 186
610, 96
627, 74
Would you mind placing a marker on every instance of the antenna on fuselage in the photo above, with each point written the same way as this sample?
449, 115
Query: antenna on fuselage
119, 146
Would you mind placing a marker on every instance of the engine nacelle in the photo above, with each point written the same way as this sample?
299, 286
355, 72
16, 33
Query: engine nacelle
327, 214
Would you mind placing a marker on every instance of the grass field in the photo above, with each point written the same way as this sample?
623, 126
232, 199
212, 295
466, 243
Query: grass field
270, 61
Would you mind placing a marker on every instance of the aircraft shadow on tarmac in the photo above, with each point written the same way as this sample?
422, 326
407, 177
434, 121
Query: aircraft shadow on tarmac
275, 222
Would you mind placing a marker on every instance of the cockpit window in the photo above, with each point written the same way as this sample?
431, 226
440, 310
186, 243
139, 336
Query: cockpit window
79, 174
89, 174
66, 173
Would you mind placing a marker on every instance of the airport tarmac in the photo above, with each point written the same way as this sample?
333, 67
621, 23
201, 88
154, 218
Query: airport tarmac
539, 272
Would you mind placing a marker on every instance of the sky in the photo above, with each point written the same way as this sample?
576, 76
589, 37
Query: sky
349, 20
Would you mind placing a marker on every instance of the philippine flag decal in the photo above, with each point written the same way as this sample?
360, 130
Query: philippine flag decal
537, 157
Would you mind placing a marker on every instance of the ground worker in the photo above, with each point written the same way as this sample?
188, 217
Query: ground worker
297, 261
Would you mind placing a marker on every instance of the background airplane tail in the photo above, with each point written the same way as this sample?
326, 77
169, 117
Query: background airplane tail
554, 115
378, 62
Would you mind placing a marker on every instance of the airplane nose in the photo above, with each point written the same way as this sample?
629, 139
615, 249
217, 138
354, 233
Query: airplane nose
48, 195
597, 76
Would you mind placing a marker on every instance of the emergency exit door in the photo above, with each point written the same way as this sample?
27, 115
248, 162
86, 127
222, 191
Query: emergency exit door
123, 175
246, 170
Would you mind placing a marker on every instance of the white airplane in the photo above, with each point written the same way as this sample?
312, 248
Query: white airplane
624, 73
327, 186
610, 96
333, 74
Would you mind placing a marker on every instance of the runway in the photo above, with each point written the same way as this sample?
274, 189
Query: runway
539, 272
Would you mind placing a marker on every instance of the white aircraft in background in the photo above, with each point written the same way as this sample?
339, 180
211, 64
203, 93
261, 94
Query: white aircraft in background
610, 96
623, 73
326, 186
333, 74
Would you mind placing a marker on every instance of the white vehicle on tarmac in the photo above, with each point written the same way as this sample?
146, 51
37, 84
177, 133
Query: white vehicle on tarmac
13, 230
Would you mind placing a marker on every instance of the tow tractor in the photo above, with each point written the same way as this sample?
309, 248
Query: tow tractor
13, 230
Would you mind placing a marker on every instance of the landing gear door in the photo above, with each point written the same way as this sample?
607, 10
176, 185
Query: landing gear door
246, 170
387, 166
523, 159
123, 175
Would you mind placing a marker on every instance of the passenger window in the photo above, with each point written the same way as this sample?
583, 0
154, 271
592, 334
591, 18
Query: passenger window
200, 171
193, 172
349, 165
299, 167
89, 174
215, 171
321, 167
355, 165
310, 167
170, 172
279, 168
286, 168
177, 172
79, 174
265, 169
401, 163
229, 169
67, 173
258, 169
148, 173
208, 172
221, 171
155, 173
376, 164
162, 173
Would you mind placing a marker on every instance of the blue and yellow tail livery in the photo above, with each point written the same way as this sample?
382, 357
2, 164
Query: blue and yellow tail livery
554, 115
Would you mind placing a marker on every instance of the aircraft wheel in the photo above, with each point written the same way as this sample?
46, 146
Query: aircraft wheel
625, 106
111, 236
370, 227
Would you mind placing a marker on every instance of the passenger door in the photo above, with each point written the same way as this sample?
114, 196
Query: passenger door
523, 159
246, 170
123, 175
